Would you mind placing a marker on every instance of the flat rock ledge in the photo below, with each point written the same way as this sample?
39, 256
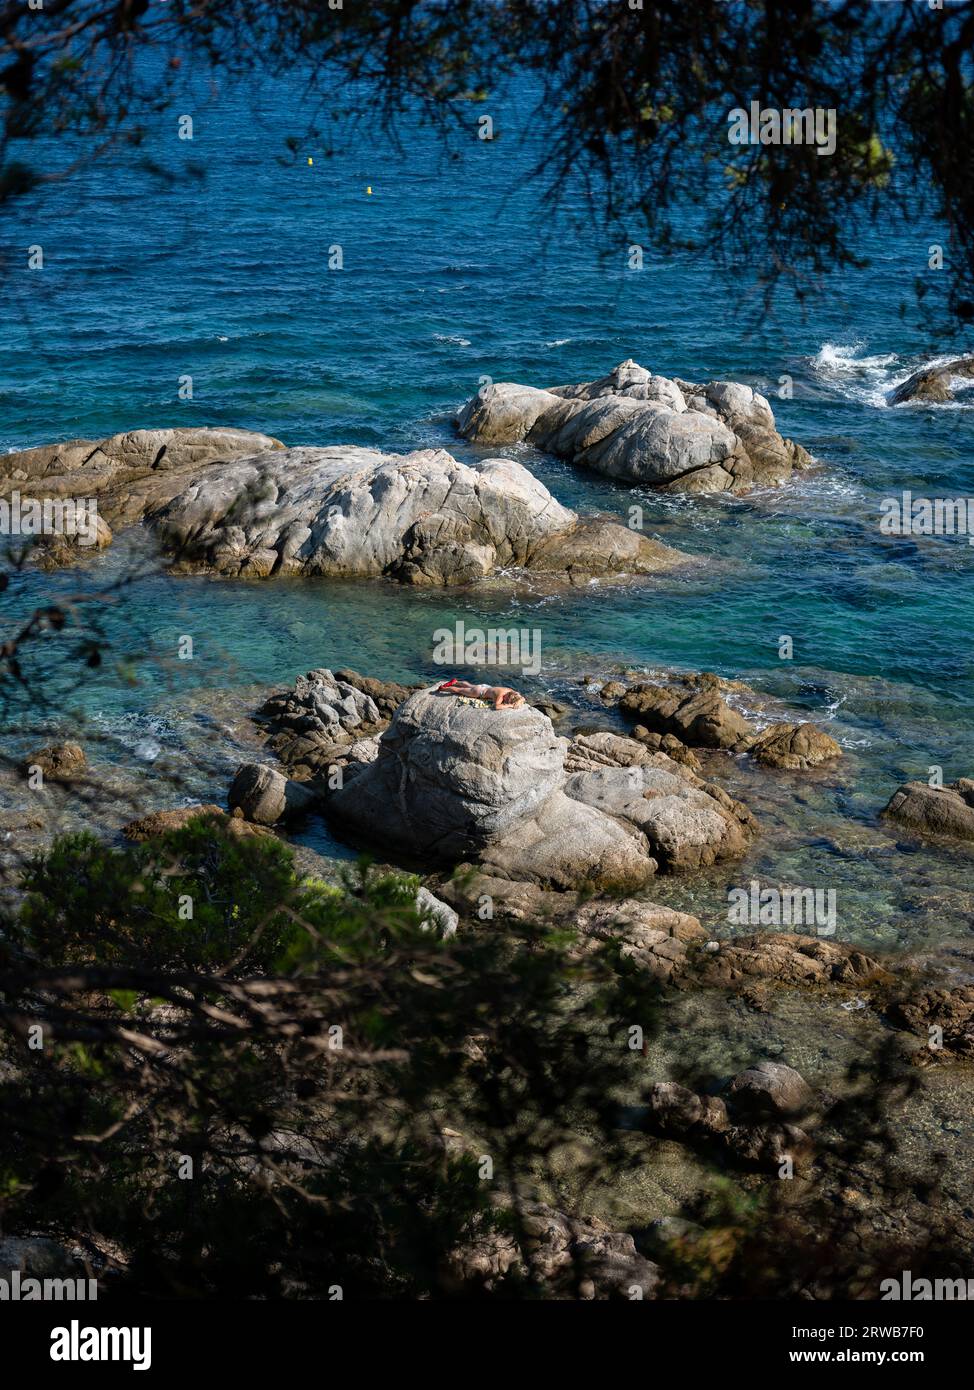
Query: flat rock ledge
456, 783
422, 518
641, 428
945, 811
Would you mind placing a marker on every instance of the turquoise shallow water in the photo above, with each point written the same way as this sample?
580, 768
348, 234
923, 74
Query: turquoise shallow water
454, 271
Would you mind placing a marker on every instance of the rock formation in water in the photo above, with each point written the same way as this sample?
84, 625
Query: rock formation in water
641, 428
422, 518
454, 783
933, 384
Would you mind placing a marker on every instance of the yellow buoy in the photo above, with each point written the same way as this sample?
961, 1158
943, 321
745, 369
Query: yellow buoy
369, 190
310, 160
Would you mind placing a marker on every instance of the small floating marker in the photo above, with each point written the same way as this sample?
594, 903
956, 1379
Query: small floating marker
368, 189
310, 160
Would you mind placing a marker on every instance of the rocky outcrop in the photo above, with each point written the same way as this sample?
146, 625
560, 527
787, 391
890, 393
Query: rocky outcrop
421, 518
944, 1017
126, 473
59, 762
265, 796
326, 721
648, 937
786, 958
796, 747
156, 823
681, 437
564, 1256
458, 783
752, 1122
695, 714
933, 384
947, 810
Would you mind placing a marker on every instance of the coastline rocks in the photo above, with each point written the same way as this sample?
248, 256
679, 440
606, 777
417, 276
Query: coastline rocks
933, 384
437, 914
265, 796
325, 721
568, 1257
59, 762
694, 715
796, 747
949, 1010
421, 518
769, 1090
947, 810
158, 823
787, 958
126, 473
630, 424
460, 783
649, 937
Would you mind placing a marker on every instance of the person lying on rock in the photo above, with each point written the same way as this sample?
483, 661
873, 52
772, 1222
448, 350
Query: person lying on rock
502, 695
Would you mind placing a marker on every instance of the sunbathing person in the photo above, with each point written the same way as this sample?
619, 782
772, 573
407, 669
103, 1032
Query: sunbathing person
502, 695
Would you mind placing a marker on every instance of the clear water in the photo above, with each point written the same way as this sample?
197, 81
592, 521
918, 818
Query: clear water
454, 271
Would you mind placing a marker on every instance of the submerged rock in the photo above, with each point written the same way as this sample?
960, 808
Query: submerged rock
59, 762
796, 747
769, 1089
719, 437
933, 384
421, 518
947, 810
945, 1017
787, 958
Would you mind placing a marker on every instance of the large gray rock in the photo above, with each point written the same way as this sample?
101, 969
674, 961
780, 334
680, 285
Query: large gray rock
933, 384
461, 783
720, 437
694, 713
770, 1089
947, 810
422, 518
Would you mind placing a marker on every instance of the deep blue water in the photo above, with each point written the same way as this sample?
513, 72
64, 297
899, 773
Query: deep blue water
454, 270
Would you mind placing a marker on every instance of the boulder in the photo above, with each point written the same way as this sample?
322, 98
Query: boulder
769, 1089
677, 1112
950, 1010
318, 723
641, 428
694, 714
265, 796
933, 384
437, 914
566, 1257
947, 810
421, 518
59, 762
796, 747
687, 825
387, 696
789, 959
650, 937
157, 823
